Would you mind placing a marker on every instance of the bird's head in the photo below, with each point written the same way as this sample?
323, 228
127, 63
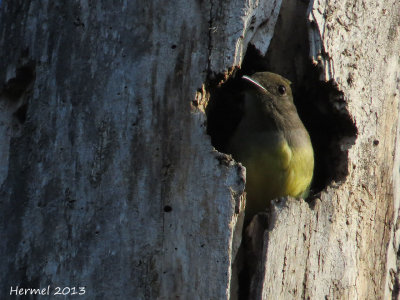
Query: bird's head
272, 90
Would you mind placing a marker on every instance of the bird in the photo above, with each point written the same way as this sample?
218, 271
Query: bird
272, 143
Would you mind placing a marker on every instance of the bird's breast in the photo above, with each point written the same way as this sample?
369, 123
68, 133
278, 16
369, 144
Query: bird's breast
275, 168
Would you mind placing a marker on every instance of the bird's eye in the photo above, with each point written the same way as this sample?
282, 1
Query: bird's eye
281, 90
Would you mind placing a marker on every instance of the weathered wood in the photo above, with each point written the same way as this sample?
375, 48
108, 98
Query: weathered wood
343, 246
108, 179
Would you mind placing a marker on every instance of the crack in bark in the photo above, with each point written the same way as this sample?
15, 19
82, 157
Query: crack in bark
210, 31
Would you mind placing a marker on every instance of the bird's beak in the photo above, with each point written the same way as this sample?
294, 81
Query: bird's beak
255, 82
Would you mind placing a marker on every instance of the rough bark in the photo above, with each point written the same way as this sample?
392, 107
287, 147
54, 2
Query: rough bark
108, 179
344, 245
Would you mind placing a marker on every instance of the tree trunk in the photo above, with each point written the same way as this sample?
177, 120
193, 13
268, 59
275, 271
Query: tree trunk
110, 183
344, 245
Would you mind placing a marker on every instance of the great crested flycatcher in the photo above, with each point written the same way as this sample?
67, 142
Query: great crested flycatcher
272, 143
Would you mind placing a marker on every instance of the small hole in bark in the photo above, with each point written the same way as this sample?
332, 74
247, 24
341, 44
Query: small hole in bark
16, 86
167, 208
20, 114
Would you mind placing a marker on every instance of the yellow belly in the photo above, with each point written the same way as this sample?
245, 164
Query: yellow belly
275, 172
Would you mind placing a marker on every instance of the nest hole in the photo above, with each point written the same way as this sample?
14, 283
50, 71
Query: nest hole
321, 107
